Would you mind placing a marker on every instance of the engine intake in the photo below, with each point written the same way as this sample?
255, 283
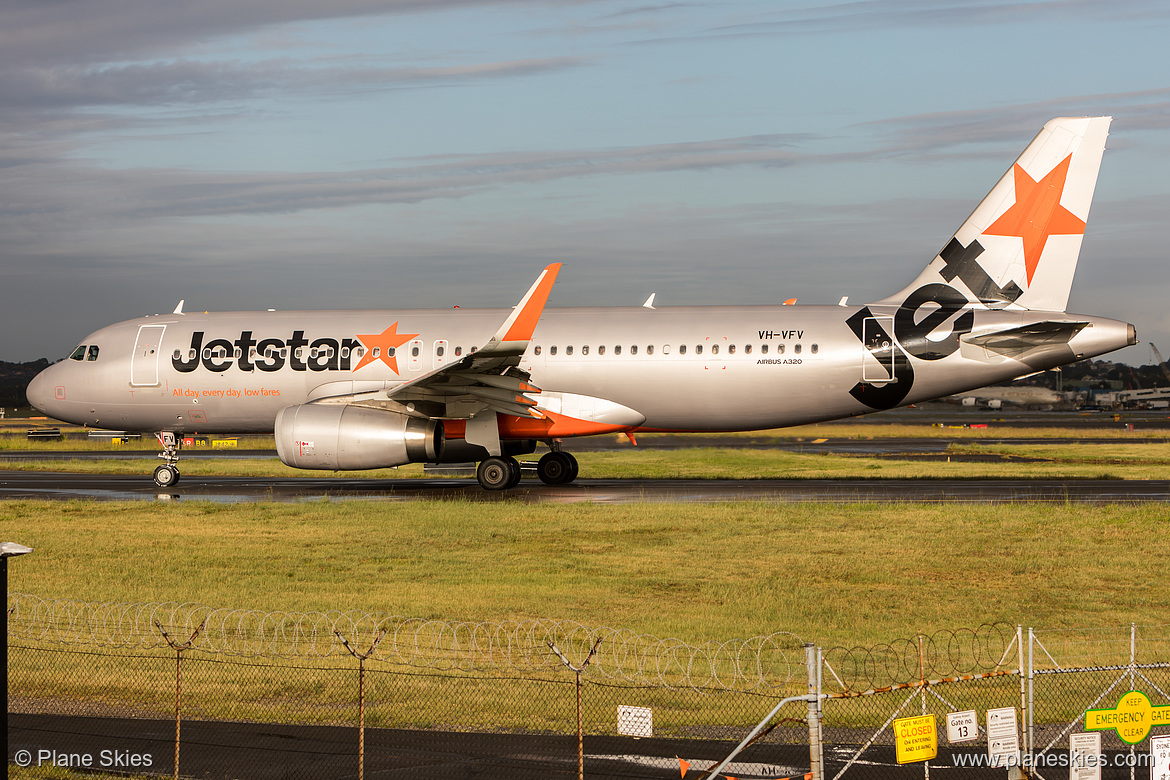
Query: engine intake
347, 438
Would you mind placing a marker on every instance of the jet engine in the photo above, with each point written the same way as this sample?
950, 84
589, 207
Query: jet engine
344, 438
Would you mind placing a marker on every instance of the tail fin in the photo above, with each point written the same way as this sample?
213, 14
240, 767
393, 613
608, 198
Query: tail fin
1019, 247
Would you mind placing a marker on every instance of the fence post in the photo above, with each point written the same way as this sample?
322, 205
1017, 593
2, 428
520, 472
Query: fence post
361, 695
179, 679
1030, 720
580, 731
814, 714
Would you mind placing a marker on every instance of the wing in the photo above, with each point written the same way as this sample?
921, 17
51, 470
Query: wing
487, 378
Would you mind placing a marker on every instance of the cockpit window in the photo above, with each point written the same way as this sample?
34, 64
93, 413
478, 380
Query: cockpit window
93, 352
78, 354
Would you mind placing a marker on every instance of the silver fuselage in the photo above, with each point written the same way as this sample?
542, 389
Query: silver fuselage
682, 368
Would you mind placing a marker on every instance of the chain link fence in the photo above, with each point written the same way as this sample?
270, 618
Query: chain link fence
182, 689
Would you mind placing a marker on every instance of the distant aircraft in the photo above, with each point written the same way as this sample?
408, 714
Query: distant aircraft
372, 389
997, 397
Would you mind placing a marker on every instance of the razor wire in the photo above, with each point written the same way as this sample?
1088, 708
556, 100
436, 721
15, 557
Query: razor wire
761, 663
942, 654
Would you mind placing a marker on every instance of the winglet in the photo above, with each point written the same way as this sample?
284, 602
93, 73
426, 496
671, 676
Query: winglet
514, 335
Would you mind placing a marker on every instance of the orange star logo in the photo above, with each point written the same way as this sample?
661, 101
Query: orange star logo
381, 346
1037, 214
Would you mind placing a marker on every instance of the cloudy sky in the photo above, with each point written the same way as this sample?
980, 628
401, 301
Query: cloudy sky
253, 154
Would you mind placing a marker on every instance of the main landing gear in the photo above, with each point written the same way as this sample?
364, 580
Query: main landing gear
167, 474
502, 472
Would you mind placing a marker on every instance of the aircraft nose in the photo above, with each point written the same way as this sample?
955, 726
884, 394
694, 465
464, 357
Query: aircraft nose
40, 392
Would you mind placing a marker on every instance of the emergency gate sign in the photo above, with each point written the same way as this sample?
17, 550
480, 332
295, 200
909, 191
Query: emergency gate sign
916, 739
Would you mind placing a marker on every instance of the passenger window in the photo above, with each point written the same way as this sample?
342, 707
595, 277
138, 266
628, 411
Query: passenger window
535, 351
552, 350
764, 348
682, 349
634, 349
585, 350
345, 352
796, 349
440, 350
665, 349
601, 350
779, 349
617, 350
93, 352
207, 353
714, 349
312, 352
731, 349
414, 351
389, 351
568, 350
78, 354
377, 351
747, 349
458, 351
178, 355
698, 349
649, 349
815, 349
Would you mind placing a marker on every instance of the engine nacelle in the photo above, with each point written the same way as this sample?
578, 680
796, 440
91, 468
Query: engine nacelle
345, 438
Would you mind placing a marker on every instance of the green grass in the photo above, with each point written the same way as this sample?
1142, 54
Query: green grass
845, 574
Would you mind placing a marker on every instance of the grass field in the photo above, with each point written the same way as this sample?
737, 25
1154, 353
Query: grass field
1123, 460
847, 574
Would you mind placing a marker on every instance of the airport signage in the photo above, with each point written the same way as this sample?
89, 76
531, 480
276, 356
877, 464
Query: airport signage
916, 739
962, 726
1132, 718
1003, 737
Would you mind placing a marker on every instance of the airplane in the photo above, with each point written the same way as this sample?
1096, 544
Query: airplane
346, 390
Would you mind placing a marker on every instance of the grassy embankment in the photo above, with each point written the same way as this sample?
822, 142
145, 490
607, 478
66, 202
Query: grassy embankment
837, 574
848, 575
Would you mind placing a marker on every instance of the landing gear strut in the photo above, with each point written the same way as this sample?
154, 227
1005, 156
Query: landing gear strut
168, 473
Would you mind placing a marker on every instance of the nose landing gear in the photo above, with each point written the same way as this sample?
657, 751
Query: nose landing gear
167, 474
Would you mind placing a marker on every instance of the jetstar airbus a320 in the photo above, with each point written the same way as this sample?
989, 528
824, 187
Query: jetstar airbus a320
372, 389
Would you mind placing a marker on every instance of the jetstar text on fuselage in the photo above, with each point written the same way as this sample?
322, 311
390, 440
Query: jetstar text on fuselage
248, 353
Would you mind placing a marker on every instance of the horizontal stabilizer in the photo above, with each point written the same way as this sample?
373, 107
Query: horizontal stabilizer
1027, 338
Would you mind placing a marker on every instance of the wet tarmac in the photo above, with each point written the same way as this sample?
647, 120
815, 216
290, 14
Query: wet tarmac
104, 487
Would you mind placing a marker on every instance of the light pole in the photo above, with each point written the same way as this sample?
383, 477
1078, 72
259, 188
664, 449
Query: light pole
7, 550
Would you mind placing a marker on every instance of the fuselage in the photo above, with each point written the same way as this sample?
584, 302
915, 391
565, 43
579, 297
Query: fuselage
681, 368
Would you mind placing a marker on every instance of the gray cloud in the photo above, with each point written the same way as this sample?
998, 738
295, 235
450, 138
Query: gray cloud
88, 31
188, 82
99, 193
881, 14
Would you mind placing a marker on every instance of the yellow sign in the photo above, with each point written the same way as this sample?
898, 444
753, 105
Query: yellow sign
1133, 717
916, 739
220, 444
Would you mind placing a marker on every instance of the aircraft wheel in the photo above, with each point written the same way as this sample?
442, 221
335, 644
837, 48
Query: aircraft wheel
497, 473
516, 473
165, 476
556, 468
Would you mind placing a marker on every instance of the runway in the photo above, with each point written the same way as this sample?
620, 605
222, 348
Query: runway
102, 487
